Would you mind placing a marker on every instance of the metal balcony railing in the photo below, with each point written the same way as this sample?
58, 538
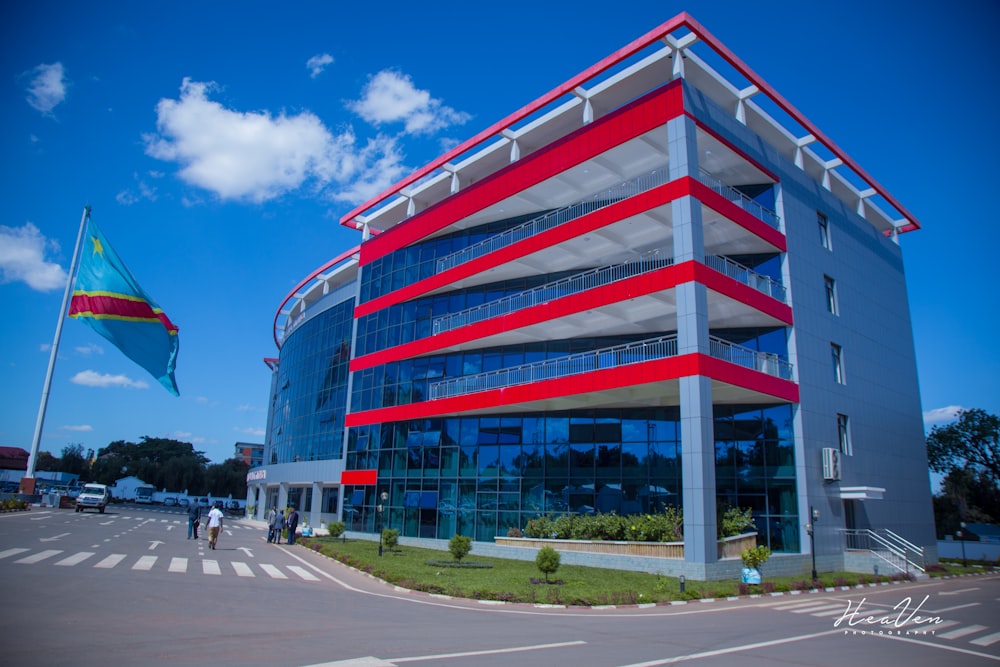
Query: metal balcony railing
574, 364
746, 203
758, 281
610, 357
765, 362
575, 284
547, 221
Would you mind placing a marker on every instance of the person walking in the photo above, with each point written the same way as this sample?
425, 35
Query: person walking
272, 517
293, 523
214, 525
194, 520
279, 525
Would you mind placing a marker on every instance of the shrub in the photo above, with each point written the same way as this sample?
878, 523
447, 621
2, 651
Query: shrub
390, 538
547, 561
336, 528
514, 531
735, 521
755, 557
460, 546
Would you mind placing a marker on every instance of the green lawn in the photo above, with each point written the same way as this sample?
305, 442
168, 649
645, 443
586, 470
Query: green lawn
520, 581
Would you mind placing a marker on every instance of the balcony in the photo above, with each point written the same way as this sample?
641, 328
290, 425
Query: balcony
575, 284
602, 359
547, 221
762, 213
749, 277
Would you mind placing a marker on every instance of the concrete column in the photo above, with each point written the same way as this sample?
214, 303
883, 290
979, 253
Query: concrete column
282, 496
697, 423
316, 508
698, 470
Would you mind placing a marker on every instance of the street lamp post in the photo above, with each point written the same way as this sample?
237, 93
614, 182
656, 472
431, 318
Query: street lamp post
811, 529
380, 509
961, 536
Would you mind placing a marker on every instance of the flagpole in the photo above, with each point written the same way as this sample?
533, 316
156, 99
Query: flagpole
28, 483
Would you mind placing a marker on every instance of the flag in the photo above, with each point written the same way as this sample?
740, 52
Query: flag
107, 298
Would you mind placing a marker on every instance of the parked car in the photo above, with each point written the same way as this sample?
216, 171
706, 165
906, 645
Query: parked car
203, 502
170, 502
183, 502
93, 496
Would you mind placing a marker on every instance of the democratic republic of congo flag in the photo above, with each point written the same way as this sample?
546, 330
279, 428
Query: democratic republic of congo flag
107, 298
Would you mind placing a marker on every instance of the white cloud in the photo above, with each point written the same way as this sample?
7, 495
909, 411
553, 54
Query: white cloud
95, 379
941, 415
47, 88
391, 97
142, 191
82, 427
318, 63
22, 258
250, 431
380, 164
89, 349
246, 155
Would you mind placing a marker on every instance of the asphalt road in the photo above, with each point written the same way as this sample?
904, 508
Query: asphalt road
127, 588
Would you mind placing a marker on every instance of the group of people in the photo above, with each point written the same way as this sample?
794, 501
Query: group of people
278, 521
214, 523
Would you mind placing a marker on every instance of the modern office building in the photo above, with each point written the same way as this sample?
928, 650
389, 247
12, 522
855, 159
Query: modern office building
657, 285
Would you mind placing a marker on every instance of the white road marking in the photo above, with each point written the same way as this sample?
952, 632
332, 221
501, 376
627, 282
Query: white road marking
242, 569
273, 572
302, 572
41, 555
11, 552
988, 640
961, 632
111, 561
178, 565
144, 563
76, 558
210, 567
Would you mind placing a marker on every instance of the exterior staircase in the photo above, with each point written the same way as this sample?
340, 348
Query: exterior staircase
887, 547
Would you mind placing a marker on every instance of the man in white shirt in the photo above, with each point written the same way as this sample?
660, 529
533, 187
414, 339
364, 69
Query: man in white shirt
214, 525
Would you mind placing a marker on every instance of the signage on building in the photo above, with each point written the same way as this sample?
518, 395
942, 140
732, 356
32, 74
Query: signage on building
257, 475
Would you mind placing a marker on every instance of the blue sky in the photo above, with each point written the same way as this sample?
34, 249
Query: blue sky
219, 144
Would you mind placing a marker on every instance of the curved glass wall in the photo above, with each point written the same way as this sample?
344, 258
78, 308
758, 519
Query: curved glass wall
309, 396
480, 476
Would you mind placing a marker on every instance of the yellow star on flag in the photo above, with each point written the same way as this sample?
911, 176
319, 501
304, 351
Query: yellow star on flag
98, 248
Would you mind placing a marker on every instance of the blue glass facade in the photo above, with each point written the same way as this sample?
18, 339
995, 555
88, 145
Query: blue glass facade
483, 475
310, 389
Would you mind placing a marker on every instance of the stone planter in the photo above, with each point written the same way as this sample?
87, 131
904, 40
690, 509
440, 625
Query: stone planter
729, 547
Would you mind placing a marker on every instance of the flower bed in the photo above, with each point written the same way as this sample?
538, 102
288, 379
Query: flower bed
729, 547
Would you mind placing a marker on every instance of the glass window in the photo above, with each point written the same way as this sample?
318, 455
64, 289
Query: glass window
844, 435
837, 355
824, 231
831, 295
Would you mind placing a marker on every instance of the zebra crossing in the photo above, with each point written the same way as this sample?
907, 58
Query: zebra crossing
149, 563
950, 630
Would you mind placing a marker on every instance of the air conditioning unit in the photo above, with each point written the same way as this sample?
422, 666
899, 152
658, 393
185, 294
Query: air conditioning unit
831, 464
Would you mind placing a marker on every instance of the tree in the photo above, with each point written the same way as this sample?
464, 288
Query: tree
460, 546
45, 461
971, 441
74, 461
547, 561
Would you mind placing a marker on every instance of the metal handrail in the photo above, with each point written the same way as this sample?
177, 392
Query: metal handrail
765, 362
747, 276
557, 289
547, 221
574, 364
864, 538
735, 196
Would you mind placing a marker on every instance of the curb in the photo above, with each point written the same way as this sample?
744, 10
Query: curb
642, 605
